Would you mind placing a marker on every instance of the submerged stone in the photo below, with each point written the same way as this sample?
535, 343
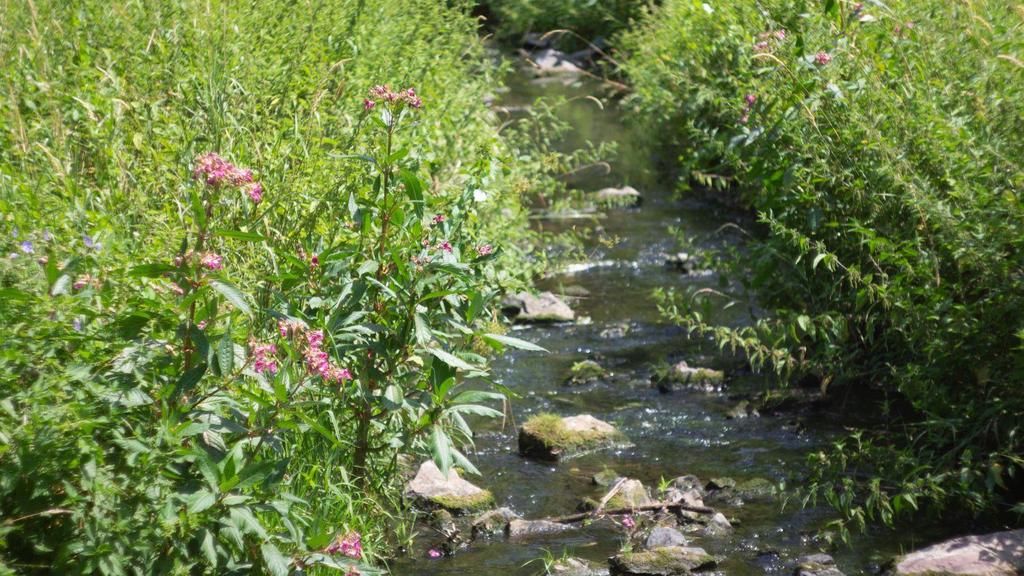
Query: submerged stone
817, 565
666, 561
431, 489
549, 437
574, 567
996, 554
542, 308
682, 375
525, 528
742, 409
550, 61
585, 372
605, 477
754, 488
624, 195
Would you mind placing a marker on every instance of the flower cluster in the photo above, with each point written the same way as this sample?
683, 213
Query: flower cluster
484, 250
212, 261
319, 363
264, 358
822, 58
350, 545
382, 93
749, 102
216, 171
764, 40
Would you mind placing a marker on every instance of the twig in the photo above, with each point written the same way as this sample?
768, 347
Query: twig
620, 511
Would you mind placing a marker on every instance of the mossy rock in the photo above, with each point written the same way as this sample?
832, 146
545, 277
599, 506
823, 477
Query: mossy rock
755, 488
665, 561
431, 489
681, 375
585, 372
550, 437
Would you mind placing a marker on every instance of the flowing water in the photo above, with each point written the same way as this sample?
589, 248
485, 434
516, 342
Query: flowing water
685, 432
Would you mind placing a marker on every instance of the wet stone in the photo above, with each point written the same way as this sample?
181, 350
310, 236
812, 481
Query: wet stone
431, 489
493, 522
754, 488
518, 528
575, 567
663, 536
717, 526
817, 565
542, 308
688, 482
742, 409
605, 477
630, 494
624, 195
549, 61
549, 437
666, 561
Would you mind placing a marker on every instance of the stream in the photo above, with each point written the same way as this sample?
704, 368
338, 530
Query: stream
685, 432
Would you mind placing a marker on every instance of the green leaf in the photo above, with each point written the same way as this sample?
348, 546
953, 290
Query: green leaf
153, 270
276, 563
441, 449
226, 355
451, 359
423, 333
233, 295
513, 342
209, 547
200, 500
239, 235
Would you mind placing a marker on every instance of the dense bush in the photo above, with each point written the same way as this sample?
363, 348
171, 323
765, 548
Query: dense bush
879, 144
215, 369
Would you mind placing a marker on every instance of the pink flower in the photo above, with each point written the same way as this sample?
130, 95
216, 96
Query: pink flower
315, 338
201, 325
484, 250
751, 99
379, 91
350, 545
368, 104
288, 327
434, 553
438, 219
445, 246
216, 171
212, 261
314, 262
745, 118
628, 522
255, 192
780, 34
822, 58
762, 46
264, 360
176, 289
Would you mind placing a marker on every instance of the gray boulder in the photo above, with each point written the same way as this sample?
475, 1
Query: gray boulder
575, 567
549, 437
542, 308
682, 375
718, 525
996, 554
663, 536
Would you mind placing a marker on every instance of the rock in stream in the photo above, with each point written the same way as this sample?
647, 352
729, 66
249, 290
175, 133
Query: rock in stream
549, 437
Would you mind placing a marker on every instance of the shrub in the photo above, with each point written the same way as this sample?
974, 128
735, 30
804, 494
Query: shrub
214, 369
590, 19
875, 143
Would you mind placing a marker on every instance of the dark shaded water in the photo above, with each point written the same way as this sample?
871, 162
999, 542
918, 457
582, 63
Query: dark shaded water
681, 433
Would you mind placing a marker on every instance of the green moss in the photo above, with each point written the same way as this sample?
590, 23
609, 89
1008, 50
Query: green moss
585, 372
462, 504
667, 560
550, 430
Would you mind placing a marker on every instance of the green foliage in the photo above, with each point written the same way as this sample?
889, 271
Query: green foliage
590, 19
877, 145
201, 377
